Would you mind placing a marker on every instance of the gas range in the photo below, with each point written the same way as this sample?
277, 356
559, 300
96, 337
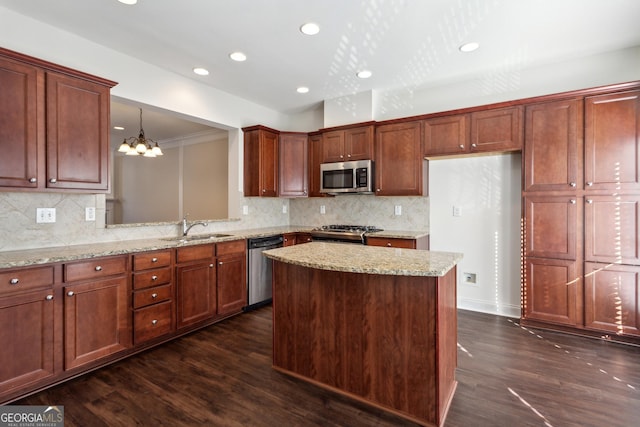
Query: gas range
343, 233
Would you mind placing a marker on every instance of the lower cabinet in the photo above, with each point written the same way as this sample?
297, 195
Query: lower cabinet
392, 242
231, 277
196, 284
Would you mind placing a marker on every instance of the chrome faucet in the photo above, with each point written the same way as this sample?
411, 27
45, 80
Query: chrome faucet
186, 227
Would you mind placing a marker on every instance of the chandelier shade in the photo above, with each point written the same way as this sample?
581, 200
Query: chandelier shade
140, 145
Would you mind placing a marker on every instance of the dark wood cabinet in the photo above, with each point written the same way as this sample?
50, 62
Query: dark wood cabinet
612, 149
21, 137
315, 158
421, 243
353, 143
231, 277
552, 226
55, 123
554, 145
448, 135
398, 166
97, 320
293, 165
612, 298
496, 130
261, 162
195, 285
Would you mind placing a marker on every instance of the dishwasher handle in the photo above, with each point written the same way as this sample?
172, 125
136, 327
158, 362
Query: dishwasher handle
263, 242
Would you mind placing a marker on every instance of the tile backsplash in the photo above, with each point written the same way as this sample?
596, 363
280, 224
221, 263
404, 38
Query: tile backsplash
19, 230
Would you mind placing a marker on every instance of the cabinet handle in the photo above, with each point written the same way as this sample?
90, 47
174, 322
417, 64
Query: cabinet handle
53, 180
154, 259
572, 184
33, 180
14, 281
589, 201
589, 183
70, 294
98, 268
154, 321
461, 146
572, 201
154, 296
49, 297
154, 278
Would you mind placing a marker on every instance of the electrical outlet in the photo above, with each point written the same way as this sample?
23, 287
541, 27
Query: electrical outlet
90, 214
323, 210
397, 210
469, 278
45, 215
245, 210
457, 211
284, 209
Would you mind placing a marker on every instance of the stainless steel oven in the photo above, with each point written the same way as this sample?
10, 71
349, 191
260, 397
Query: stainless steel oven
343, 233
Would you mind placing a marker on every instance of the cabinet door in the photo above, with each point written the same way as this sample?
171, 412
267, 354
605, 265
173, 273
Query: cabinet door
232, 283
496, 130
293, 165
551, 291
333, 146
398, 169
77, 133
612, 229
612, 298
315, 158
358, 143
446, 135
551, 226
27, 339
391, 242
612, 129
97, 320
19, 131
260, 163
553, 146
196, 293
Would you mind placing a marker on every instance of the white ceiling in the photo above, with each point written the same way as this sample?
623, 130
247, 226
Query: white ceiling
405, 43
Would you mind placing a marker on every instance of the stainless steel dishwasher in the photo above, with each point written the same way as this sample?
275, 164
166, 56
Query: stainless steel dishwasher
260, 267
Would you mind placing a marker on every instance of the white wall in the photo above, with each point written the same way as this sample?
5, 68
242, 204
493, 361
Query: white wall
487, 191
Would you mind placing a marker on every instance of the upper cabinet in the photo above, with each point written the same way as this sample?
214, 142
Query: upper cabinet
398, 168
293, 165
315, 158
354, 143
54, 125
493, 130
553, 146
260, 161
612, 129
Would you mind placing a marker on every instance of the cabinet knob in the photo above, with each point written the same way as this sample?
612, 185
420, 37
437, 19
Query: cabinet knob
589, 183
154, 278
154, 259
70, 294
377, 189
33, 180
49, 297
98, 268
210, 265
389, 244
154, 321
461, 146
572, 201
14, 281
341, 156
589, 201
264, 191
220, 263
349, 155
572, 184
474, 145
53, 180
154, 296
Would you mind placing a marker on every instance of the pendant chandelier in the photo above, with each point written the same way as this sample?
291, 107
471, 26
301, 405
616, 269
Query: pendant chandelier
140, 146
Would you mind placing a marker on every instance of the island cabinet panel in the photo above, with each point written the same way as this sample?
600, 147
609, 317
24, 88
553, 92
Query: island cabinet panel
612, 149
398, 167
553, 146
612, 298
386, 340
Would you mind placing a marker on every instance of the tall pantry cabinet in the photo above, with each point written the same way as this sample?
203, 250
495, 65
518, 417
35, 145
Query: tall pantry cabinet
581, 225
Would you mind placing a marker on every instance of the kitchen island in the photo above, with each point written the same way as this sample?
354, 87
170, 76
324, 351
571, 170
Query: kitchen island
376, 324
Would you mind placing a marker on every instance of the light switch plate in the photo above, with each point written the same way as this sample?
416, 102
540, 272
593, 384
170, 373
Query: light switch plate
45, 215
397, 210
245, 210
90, 214
323, 210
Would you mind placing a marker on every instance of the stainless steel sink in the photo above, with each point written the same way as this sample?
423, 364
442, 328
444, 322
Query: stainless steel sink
196, 237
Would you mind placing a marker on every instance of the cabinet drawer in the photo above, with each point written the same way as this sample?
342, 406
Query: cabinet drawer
95, 268
235, 246
391, 243
151, 260
152, 322
156, 277
195, 253
152, 296
25, 279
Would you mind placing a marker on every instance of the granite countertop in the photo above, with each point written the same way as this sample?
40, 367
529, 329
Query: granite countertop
366, 259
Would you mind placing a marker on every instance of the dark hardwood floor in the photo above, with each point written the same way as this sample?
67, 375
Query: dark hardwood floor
222, 376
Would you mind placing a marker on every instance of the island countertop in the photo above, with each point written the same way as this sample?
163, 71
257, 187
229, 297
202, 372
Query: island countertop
355, 258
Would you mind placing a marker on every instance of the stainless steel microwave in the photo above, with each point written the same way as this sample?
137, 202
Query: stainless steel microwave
347, 177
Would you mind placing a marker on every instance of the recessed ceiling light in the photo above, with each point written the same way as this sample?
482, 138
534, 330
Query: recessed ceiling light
128, 1
201, 71
238, 56
118, 128
469, 47
302, 89
364, 74
310, 29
